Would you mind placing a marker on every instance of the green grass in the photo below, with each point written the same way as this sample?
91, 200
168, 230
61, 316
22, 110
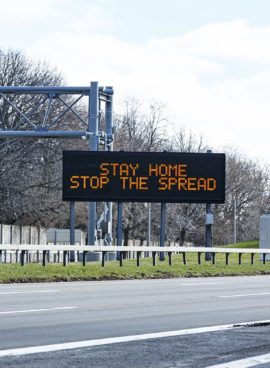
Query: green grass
245, 244
93, 271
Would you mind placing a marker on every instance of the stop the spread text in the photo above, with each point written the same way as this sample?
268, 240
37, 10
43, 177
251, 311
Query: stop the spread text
139, 177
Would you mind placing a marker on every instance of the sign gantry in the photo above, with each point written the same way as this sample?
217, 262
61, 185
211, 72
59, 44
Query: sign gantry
53, 124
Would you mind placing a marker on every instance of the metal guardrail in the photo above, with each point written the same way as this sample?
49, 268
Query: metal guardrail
23, 248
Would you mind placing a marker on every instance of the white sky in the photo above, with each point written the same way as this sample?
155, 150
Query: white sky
207, 60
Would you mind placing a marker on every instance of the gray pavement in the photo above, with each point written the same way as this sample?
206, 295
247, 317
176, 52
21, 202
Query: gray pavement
29, 317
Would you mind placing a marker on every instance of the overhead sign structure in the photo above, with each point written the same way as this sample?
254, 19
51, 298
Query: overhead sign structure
143, 176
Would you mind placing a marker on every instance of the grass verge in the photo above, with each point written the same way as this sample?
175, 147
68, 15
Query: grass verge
11, 273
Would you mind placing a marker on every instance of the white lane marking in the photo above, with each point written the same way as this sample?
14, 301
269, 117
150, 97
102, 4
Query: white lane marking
121, 339
37, 310
203, 283
28, 292
242, 295
244, 363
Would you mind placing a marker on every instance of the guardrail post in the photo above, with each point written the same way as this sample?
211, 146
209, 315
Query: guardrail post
154, 258
37, 256
184, 258
84, 255
65, 258
170, 258
58, 256
121, 258
5, 256
103, 259
17, 257
227, 258
44, 258
199, 258
264, 258
22, 257
213, 257
0, 257
240, 258
138, 258
252, 258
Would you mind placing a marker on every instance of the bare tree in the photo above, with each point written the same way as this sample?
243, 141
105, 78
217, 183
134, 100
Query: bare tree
247, 187
139, 131
30, 170
185, 220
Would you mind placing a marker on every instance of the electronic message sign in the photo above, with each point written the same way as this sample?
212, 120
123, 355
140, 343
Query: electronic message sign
143, 176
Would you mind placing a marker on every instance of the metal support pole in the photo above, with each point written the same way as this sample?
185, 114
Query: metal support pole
93, 146
208, 234
162, 230
109, 147
208, 228
119, 227
72, 229
148, 227
234, 221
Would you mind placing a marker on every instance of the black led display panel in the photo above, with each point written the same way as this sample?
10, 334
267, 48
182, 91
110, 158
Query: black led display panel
143, 176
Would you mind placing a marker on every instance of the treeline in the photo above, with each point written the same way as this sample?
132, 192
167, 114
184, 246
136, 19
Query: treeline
31, 169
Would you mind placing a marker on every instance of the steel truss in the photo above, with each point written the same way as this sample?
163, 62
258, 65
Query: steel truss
47, 129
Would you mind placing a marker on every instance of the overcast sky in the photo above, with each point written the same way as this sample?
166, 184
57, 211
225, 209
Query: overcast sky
207, 60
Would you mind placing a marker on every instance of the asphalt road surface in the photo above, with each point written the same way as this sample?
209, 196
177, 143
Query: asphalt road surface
144, 323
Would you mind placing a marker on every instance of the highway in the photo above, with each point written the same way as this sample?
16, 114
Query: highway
136, 323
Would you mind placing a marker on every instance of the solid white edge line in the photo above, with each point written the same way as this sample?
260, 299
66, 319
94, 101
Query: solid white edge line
29, 292
36, 310
202, 283
244, 363
242, 295
121, 339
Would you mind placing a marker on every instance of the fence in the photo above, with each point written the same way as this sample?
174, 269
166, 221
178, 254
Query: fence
15, 235
64, 249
